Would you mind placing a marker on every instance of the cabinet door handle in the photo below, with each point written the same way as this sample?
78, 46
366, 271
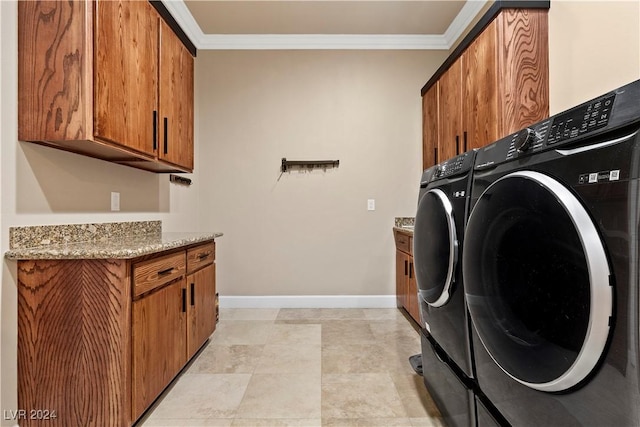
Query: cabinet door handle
464, 139
410, 268
166, 136
184, 300
406, 267
457, 144
193, 294
435, 156
165, 271
155, 130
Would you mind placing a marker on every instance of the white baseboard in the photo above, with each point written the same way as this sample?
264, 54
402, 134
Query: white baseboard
309, 301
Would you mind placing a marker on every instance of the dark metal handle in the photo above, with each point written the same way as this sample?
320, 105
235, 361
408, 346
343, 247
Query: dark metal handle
166, 136
406, 267
165, 271
184, 300
193, 294
155, 130
464, 137
435, 155
203, 256
410, 268
457, 144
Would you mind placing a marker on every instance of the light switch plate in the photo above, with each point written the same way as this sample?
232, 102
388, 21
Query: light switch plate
115, 201
371, 204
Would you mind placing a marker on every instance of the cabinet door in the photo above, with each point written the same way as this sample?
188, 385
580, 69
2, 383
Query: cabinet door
126, 73
159, 342
176, 100
430, 127
524, 68
480, 101
413, 303
450, 112
202, 307
402, 276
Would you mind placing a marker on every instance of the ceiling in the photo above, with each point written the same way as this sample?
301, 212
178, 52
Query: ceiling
324, 24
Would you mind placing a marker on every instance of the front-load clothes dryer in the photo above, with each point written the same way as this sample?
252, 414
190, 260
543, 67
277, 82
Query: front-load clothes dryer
437, 245
551, 267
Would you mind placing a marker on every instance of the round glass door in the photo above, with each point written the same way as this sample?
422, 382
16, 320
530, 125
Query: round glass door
537, 281
435, 247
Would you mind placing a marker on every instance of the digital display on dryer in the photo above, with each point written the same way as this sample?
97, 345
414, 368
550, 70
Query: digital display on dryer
581, 120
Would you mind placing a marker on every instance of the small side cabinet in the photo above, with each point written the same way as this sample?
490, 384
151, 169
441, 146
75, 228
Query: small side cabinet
406, 286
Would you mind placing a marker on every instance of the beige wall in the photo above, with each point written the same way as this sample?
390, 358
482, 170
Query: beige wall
309, 233
44, 186
594, 47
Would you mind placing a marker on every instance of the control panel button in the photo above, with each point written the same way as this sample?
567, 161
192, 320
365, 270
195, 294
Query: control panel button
524, 139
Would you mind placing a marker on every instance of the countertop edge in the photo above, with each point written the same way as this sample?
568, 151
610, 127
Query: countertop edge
129, 248
404, 230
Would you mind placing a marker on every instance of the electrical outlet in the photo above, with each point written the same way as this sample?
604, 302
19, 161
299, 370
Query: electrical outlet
115, 201
371, 204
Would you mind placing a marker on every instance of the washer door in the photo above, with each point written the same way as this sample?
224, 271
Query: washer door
537, 281
435, 247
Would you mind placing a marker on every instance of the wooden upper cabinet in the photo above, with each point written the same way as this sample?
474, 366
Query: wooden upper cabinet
176, 99
481, 115
494, 84
89, 82
430, 127
450, 112
126, 73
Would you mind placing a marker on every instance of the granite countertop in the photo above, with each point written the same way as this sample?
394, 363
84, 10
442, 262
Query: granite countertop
98, 241
404, 225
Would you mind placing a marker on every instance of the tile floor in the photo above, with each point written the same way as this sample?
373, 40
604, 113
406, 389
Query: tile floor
302, 367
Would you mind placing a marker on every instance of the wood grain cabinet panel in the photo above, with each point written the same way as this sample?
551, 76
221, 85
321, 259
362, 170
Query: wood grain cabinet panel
126, 73
74, 327
201, 307
176, 100
497, 85
450, 112
159, 342
430, 127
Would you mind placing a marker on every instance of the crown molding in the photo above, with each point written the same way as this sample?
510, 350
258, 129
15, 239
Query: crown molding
182, 15
462, 21
321, 41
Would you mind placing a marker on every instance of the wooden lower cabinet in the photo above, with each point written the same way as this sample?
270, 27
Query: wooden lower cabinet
406, 286
99, 340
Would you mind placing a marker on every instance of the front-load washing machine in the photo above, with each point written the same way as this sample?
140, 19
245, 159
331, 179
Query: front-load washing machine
551, 267
437, 245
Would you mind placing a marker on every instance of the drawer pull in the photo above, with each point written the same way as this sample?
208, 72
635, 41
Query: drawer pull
165, 271
203, 256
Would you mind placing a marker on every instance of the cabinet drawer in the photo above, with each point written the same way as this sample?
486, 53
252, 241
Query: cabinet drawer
155, 272
200, 256
403, 242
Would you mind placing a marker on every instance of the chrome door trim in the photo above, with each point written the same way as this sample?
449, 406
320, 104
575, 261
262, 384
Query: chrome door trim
453, 247
601, 293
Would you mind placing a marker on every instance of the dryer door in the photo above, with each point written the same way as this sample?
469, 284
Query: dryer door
537, 281
435, 247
